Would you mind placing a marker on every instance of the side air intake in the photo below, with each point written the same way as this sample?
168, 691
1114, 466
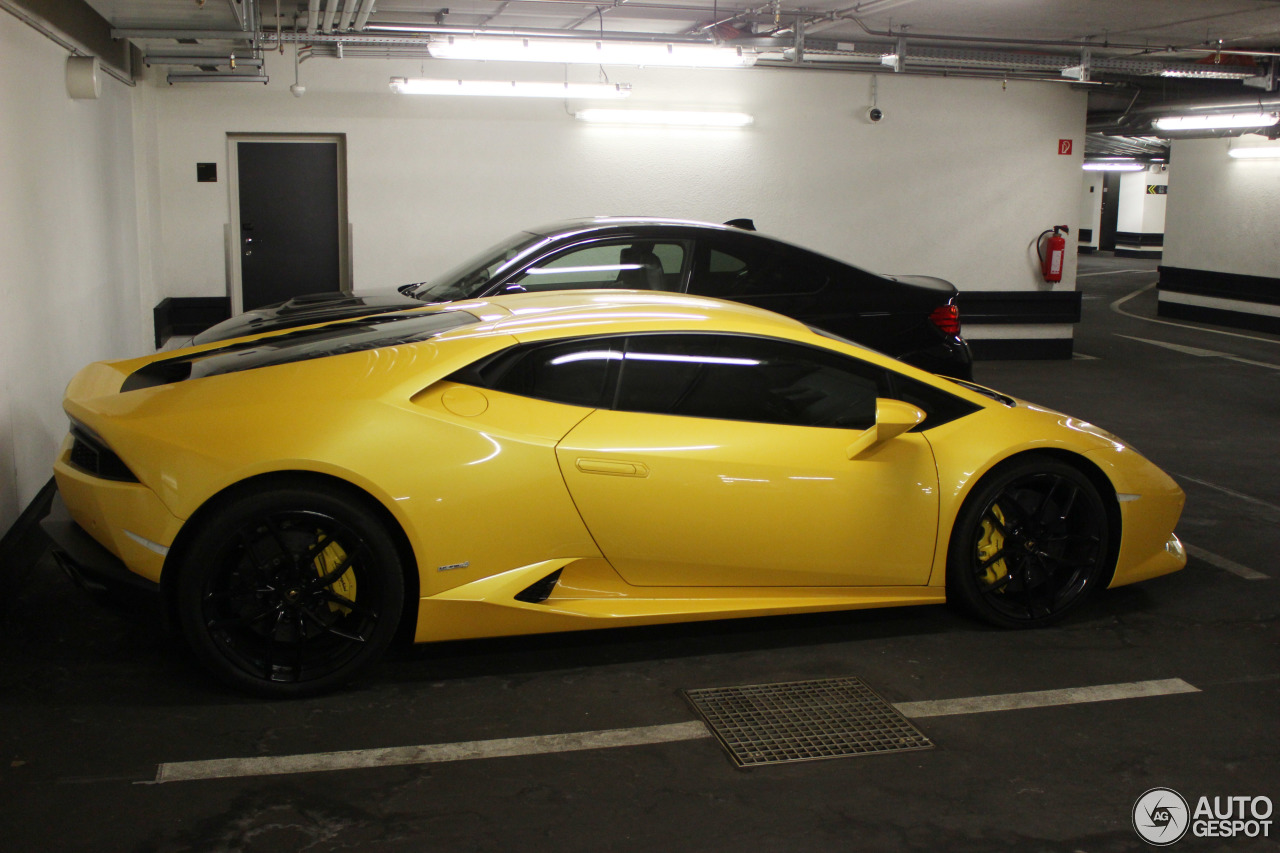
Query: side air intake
540, 591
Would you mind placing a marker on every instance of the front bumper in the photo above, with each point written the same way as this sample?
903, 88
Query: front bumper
88, 564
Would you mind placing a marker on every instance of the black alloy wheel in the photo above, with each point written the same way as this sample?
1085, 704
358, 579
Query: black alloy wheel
290, 592
1032, 542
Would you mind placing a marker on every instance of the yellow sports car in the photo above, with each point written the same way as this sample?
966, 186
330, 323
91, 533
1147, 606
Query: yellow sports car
553, 462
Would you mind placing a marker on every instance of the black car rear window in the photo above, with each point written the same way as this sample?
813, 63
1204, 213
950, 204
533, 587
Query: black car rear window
366, 333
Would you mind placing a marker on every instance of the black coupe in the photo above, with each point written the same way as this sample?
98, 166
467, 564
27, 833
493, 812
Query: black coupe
913, 318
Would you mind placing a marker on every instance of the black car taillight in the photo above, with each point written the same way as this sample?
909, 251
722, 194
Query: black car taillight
91, 455
946, 318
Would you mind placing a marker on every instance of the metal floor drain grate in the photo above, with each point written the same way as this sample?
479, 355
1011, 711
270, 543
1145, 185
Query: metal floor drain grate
804, 721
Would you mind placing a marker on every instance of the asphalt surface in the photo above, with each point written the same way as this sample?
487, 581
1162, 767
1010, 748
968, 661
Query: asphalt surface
94, 697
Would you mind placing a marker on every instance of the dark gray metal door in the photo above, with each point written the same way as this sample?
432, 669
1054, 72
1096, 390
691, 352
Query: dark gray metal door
1110, 212
290, 226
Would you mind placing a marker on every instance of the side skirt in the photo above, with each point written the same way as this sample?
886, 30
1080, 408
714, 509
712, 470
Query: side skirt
589, 594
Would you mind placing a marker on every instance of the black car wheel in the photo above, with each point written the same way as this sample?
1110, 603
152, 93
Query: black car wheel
290, 592
1030, 544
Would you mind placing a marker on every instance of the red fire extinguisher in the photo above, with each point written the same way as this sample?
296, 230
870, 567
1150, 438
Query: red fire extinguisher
1051, 260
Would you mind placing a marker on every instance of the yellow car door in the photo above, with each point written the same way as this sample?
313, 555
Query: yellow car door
725, 462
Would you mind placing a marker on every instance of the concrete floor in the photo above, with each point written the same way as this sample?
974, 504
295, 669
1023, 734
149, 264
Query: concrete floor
94, 698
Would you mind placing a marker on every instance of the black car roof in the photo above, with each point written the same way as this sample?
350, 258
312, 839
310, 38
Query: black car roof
611, 223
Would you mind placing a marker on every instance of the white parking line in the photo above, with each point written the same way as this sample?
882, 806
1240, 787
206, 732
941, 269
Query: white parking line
1110, 272
1249, 499
1199, 352
224, 768
1115, 306
227, 768
1225, 564
1044, 698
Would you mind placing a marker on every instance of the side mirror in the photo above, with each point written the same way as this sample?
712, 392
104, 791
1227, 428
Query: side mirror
893, 418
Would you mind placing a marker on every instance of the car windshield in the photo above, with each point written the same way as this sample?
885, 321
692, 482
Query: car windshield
471, 278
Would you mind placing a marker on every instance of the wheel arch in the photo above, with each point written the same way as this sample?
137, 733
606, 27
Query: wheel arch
305, 479
1106, 489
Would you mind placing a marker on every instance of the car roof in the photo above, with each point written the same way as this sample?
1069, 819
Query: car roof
570, 226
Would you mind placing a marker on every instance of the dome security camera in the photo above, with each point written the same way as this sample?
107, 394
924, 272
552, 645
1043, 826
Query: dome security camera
298, 90
875, 115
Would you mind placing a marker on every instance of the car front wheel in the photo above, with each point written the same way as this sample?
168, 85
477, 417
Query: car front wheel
290, 592
1031, 543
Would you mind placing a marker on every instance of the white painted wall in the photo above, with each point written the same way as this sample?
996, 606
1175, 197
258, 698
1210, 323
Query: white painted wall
1222, 212
102, 216
69, 277
957, 181
1091, 206
1141, 212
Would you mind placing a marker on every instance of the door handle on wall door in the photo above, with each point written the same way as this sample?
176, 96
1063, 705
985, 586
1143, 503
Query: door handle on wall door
612, 466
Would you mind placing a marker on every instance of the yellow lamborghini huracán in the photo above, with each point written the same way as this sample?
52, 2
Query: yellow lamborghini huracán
584, 459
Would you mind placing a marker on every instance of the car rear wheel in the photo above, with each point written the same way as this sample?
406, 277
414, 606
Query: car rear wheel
290, 592
1031, 543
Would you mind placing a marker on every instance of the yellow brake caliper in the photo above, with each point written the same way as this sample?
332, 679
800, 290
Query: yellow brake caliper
326, 562
989, 544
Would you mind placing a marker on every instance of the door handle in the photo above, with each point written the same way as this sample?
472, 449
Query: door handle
612, 466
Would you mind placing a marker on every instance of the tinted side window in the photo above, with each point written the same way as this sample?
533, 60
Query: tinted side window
741, 378
732, 271
630, 264
578, 373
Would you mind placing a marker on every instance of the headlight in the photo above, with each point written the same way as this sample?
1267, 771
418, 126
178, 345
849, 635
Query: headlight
91, 455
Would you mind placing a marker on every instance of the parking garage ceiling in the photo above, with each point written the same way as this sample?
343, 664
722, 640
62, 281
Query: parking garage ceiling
1139, 58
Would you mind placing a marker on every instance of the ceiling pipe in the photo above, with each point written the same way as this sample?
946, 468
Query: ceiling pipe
1087, 42
1142, 117
348, 11
313, 15
214, 77
363, 11
1217, 106
330, 12
198, 61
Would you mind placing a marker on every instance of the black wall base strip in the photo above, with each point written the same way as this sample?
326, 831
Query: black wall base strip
1246, 288
1024, 349
1157, 254
1018, 306
188, 315
24, 543
1218, 317
1135, 239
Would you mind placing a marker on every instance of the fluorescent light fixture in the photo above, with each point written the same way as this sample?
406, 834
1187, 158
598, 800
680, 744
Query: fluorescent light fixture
665, 118
1256, 152
1208, 73
507, 88
1114, 166
592, 52
1218, 121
